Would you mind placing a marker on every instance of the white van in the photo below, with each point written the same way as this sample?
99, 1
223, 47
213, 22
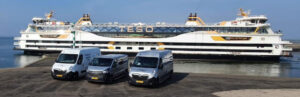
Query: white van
151, 67
73, 63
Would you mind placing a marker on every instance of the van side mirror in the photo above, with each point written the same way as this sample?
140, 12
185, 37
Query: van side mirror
114, 64
130, 64
160, 66
79, 61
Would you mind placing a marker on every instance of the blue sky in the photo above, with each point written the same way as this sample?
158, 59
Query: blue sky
16, 14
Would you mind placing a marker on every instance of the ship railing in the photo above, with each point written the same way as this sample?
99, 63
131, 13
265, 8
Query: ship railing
16, 47
17, 38
23, 31
154, 25
16, 43
253, 16
143, 25
257, 16
49, 25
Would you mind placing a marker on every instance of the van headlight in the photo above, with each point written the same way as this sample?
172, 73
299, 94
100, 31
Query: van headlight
151, 75
105, 71
71, 68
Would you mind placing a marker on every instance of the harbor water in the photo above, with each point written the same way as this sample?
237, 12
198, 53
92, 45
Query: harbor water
286, 67
10, 58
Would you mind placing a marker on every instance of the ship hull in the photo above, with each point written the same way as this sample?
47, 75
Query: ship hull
179, 56
197, 44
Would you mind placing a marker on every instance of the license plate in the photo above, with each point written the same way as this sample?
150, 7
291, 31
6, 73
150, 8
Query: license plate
139, 81
59, 75
94, 78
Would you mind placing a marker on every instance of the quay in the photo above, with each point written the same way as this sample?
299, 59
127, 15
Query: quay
35, 81
295, 46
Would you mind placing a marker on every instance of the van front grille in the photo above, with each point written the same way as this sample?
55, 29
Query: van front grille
59, 72
140, 77
95, 73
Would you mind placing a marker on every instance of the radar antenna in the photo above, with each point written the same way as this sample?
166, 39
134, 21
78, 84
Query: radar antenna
49, 15
243, 13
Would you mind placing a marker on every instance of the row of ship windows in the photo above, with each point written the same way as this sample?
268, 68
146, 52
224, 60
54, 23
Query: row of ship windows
117, 35
233, 29
154, 48
155, 43
139, 48
117, 48
166, 29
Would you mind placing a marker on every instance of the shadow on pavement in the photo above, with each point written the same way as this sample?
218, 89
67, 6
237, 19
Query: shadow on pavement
176, 77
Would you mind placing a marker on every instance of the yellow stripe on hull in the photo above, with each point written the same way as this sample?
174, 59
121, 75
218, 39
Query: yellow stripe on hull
160, 44
218, 38
64, 36
111, 47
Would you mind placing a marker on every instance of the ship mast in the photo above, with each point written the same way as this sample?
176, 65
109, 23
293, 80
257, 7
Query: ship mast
243, 13
49, 15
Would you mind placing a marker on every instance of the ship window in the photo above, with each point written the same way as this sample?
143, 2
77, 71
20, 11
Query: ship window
263, 30
129, 48
153, 48
118, 48
141, 48
262, 21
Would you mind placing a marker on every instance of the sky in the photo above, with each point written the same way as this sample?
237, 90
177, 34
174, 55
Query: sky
15, 15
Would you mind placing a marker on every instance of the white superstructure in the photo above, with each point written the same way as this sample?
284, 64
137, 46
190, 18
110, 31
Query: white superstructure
244, 36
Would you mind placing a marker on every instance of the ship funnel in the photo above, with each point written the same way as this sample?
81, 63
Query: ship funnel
85, 20
85, 15
194, 20
190, 17
195, 17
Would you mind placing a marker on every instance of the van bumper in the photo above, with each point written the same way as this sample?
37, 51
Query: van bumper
97, 77
69, 75
142, 82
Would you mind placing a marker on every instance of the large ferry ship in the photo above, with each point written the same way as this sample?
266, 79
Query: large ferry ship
246, 36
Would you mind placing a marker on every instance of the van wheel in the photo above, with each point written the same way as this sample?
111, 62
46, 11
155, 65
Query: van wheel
126, 73
156, 83
130, 84
109, 80
75, 76
52, 75
170, 74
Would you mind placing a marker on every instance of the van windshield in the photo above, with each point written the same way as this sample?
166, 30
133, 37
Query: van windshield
102, 62
147, 62
67, 58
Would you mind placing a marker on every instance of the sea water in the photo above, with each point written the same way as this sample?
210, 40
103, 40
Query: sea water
286, 67
10, 58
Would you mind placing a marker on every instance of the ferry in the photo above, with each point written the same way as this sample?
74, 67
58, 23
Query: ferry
246, 36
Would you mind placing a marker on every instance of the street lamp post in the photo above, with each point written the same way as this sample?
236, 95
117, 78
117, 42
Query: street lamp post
74, 40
